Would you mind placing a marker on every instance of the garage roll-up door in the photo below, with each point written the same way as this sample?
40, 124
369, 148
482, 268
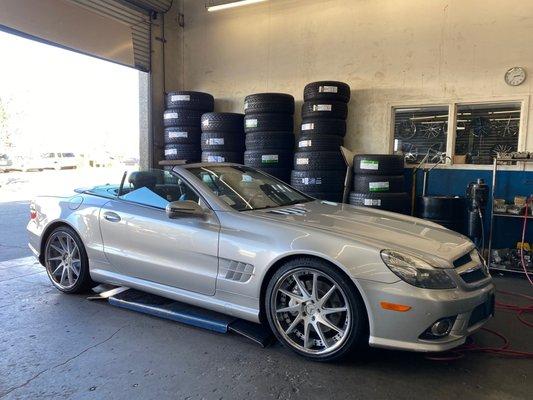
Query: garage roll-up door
115, 30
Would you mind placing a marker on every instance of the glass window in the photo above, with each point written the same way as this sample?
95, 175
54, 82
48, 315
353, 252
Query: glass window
486, 130
419, 131
244, 188
156, 188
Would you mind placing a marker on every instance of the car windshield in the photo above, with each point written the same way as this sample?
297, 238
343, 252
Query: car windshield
244, 188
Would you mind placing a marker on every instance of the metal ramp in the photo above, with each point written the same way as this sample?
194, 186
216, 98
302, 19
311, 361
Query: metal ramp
163, 307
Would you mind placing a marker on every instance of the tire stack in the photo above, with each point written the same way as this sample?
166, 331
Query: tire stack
378, 182
319, 167
181, 120
222, 137
269, 126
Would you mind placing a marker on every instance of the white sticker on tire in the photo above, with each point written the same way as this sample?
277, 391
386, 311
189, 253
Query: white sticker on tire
328, 89
378, 186
372, 202
214, 141
251, 123
170, 115
171, 152
205, 122
173, 135
308, 127
245, 105
180, 97
269, 158
322, 107
369, 164
312, 181
215, 159
305, 143
302, 161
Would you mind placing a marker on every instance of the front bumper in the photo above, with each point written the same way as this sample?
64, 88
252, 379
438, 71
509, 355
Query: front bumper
402, 330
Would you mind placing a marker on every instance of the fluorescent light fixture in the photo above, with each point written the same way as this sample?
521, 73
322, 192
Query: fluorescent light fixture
233, 4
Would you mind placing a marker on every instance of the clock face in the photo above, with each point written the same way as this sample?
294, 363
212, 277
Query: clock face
515, 76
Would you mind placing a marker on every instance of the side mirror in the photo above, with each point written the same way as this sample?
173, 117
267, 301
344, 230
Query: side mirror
187, 208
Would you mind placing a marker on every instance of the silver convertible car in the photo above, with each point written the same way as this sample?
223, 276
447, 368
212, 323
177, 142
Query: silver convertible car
326, 277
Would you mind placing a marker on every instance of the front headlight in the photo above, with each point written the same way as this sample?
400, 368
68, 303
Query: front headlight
416, 271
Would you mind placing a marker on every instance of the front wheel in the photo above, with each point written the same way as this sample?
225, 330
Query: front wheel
314, 310
66, 261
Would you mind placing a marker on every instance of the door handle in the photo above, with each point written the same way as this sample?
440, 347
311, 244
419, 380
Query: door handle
111, 216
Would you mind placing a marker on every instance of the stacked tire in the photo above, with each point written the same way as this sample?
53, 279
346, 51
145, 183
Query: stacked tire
222, 137
182, 122
319, 167
269, 126
378, 182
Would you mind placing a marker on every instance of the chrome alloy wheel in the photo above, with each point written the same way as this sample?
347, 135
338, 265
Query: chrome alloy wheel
63, 260
312, 312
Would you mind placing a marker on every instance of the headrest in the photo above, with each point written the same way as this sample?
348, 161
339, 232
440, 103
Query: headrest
142, 178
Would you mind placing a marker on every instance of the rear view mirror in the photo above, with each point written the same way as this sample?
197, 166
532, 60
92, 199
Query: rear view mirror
181, 209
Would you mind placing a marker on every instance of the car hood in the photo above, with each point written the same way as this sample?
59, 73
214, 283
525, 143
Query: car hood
383, 230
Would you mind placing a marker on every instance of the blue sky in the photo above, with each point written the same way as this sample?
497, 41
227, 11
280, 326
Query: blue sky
64, 101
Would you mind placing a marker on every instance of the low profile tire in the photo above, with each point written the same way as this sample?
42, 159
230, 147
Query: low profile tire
378, 164
183, 135
222, 156
378, 183
177, 117
266, 159
319, 160
223, 141
223, 122
395, 202
268, 123
66, 261
327, 90
319, 142
269, 140
324, 109
314, 310
318, 126
318, 181
269, 103
188, 152
188, 100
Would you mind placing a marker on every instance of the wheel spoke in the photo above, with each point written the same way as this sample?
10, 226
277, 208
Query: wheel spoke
318, 330
326, 323
314, 288
306, 334
327, 311
294, 324
61, 265
325, 298
301, 286
63, 245
60, 251
69, 276
293, 296
289, 309
63, 275
55, 258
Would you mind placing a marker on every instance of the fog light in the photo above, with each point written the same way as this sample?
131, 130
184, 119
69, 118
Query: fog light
439, 329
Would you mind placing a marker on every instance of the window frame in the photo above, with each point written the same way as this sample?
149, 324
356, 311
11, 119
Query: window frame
452, 122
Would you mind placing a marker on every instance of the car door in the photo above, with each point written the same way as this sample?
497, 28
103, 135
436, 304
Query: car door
140, 240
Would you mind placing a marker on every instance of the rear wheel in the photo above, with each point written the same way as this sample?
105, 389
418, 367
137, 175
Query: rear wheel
313, 310
66, 261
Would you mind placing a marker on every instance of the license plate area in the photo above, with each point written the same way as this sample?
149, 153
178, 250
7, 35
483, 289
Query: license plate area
482, 312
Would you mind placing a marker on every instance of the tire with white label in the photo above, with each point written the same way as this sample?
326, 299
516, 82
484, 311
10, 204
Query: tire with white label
222, 156
269, 140
327, 90
222, 122
324, 109
177, 117
183, 135
222, 141
318, 181
265, 158
269, 103
378, 164
395, 202
319, 160
319, 126
378, 183
318, 142
188, 100
268, 122
188, 152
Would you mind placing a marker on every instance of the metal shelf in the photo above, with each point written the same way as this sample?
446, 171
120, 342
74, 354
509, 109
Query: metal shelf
511, 215
515, 271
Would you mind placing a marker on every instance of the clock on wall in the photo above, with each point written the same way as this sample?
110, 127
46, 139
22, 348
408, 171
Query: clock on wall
515, 76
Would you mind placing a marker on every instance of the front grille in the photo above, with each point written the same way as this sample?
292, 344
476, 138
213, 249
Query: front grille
482, 312
473, 276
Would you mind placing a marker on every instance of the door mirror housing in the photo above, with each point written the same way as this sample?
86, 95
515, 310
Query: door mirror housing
182, 209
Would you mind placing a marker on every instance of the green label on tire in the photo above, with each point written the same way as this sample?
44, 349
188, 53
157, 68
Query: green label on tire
269, 159
369, 164
378, 186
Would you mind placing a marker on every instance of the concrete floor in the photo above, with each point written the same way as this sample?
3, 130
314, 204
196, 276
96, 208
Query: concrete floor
59, 346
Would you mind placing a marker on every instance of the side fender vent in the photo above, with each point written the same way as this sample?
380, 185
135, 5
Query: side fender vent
236, 271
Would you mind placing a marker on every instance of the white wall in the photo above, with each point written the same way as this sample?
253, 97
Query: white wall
389, 51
